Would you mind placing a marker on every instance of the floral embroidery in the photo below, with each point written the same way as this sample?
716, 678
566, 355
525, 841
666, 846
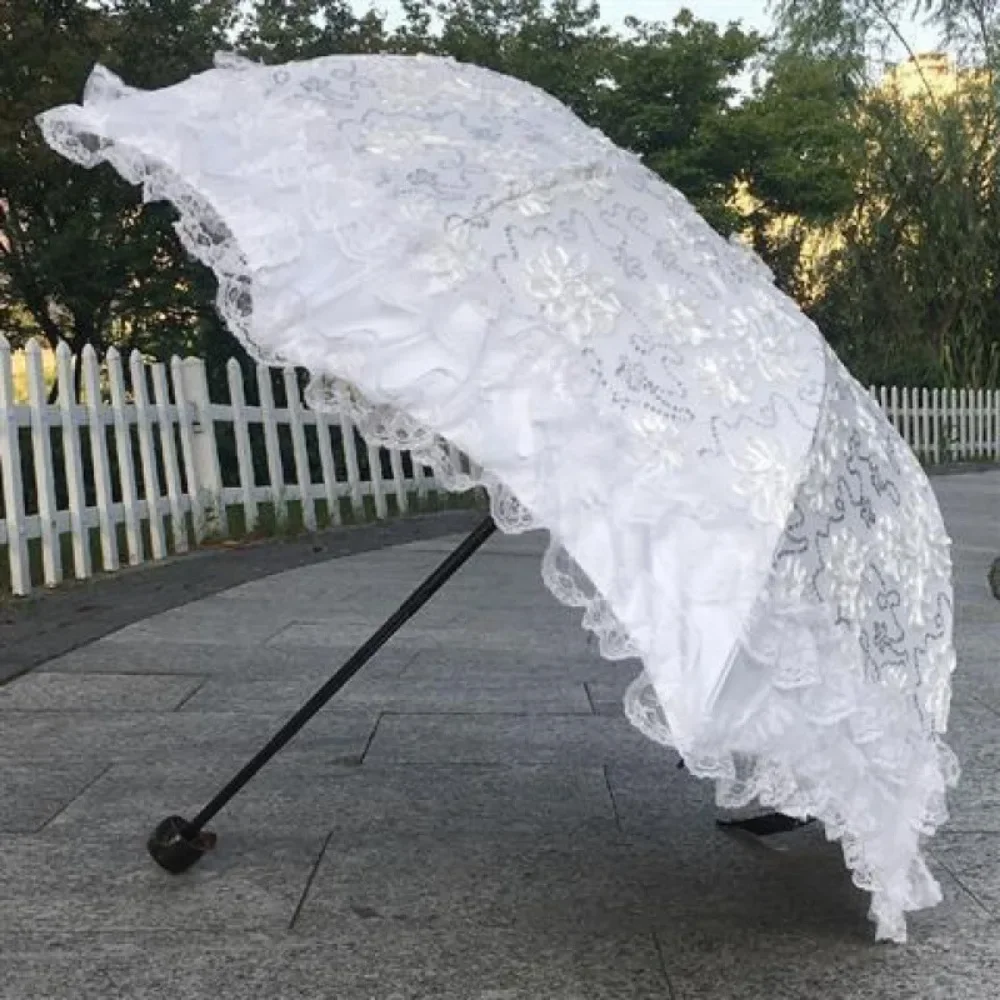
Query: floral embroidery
576, 302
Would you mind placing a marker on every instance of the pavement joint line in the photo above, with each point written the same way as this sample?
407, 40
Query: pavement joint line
202, 681
611, 795
371, 739
409, 663
87, 785
964, 888
662, 960
310, 880
983, 704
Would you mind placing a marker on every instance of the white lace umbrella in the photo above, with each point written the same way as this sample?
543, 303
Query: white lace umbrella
455, 257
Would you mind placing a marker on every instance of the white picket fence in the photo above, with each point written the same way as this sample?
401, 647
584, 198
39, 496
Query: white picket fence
132, 471
945, 425
144, 463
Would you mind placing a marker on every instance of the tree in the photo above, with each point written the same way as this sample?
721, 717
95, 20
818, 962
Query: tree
800, 155
81, 258
674, 102
913, 287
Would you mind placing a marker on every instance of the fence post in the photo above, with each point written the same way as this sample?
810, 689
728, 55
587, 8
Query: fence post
205, 479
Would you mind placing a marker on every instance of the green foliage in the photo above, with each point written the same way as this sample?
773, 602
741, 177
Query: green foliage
913, 291
909, 295
80, 257
674, 103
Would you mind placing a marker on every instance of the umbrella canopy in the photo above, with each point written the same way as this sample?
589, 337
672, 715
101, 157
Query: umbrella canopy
456, 258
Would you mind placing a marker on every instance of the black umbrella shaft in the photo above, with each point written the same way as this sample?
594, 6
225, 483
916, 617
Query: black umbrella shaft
424, 592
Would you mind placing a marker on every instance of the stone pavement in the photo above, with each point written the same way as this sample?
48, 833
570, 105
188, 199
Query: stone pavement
472, 819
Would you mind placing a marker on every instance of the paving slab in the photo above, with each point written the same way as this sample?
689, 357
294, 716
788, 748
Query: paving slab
523, 664
256, 883
36, 791
119, 656
187, 738
353, 803
520, 739
470, 695
559, 886
471, 819
410, 963
746, 964
47, 692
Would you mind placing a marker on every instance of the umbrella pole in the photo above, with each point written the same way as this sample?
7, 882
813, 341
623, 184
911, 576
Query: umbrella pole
176, 844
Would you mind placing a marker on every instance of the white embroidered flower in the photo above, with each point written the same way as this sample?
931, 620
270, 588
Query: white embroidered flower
574, 300
790, 581
729, 383
404, 140
768, 482
533, 204
596, 186
662, 435
841, 580
677, 320
449, 260
775, 358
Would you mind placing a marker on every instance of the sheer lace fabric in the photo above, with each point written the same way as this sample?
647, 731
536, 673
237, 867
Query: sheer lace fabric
456, 258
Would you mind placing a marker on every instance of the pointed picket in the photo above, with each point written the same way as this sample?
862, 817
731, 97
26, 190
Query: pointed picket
103, 494
147, 455
352, 464
123, 452
331, 488
244, 452
272, 444
185, 425
171, 469
303, 477
73, 462
45, 485
10, 473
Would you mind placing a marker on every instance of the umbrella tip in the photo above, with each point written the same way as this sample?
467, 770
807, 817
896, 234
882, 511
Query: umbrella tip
175, 848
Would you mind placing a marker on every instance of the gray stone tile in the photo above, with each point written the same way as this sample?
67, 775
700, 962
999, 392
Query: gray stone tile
509, 739
528, 544
32, 794
448, 664
723, 962
368, 607
472, 635
559, 885
313, 635
289, 797
662, 803
607, 697
210, 621
984, 612
974, 860
208, 660
41, 692
182, 738
471, 695
550, 886
411, 963
89, 884
980, 644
